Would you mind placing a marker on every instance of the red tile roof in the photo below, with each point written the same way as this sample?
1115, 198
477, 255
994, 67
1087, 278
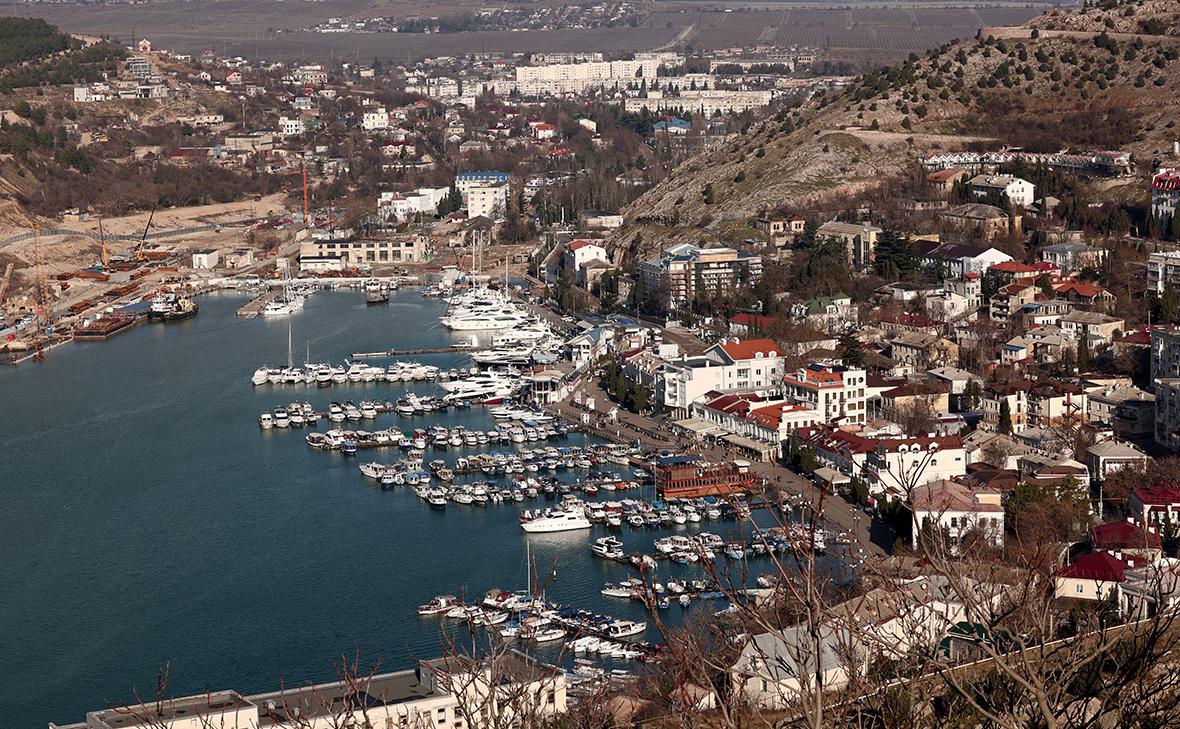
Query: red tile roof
1101, 566
575, 245
1157, 494
1081, 288
1014, 267
751, 347
1124, 535
751, 320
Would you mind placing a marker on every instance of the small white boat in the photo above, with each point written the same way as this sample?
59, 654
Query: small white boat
547, 635
439, 605
266, 421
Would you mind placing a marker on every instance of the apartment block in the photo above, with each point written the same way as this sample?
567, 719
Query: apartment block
686, 271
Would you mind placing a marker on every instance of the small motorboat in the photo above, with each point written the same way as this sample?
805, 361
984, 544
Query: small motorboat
438, 606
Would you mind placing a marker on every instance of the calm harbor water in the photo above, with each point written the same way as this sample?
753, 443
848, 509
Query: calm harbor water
145, 519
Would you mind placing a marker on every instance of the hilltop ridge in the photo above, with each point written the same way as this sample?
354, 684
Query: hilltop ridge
1085, 90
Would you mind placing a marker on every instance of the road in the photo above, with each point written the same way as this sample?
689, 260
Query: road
873, 538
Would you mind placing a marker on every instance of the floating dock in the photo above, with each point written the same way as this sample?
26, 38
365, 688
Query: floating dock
255, 306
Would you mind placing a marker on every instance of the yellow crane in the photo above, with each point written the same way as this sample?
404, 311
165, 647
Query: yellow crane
4, 279
45, 300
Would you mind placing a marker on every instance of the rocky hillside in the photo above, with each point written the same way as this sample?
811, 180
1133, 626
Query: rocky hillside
1151, 17
1042, 90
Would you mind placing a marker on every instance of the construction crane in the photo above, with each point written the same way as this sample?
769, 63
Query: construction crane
106, 254
303, 172
139, 254
4, 279
45, 301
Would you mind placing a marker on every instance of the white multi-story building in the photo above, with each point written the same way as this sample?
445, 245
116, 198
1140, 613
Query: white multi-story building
1165, 374
352, 251
740, 366
1020, 192
1165, 193
834, 391
289, 127
402, 206
1163, 271
685, 271
464, 181
375, 119
704, 102
489, 201
564, 78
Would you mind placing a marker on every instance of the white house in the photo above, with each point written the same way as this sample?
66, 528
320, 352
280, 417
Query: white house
289, 127
205, 258
751, 365
956, 511
375, 119
1020, 192
1109, 456
579, 252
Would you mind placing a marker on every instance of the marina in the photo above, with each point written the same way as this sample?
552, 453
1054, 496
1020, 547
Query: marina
234, 504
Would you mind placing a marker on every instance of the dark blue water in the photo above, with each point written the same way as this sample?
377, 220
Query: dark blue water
145, 519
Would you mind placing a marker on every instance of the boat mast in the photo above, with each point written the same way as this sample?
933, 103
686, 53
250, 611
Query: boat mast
289, 362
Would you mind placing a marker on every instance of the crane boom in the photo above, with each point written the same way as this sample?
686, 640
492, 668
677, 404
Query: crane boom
4, 279
139, 256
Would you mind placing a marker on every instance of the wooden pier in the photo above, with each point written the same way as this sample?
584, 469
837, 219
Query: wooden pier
256, 305
407, 352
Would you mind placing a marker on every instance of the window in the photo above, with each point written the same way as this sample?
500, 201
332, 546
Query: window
1078, 588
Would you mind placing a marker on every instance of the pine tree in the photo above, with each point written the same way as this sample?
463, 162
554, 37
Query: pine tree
1083, 353
1005, 424
852, 352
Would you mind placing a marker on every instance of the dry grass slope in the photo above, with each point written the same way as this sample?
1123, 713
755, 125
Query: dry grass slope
1085, 91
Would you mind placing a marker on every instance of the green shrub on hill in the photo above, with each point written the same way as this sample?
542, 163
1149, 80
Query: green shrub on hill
27, 39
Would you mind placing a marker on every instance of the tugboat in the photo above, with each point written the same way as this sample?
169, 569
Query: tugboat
375, 293
170, 307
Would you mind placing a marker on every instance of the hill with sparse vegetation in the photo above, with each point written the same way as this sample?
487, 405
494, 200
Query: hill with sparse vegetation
1049, 85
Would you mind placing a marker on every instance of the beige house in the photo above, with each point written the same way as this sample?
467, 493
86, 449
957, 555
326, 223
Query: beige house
1100, 329
860, 242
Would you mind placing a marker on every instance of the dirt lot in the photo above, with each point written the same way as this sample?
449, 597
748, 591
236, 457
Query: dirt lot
66, 253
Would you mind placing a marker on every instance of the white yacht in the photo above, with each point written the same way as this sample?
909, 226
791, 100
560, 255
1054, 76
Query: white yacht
261, 376
278, 307
266, 421
474, 321
503, 356
557, 521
